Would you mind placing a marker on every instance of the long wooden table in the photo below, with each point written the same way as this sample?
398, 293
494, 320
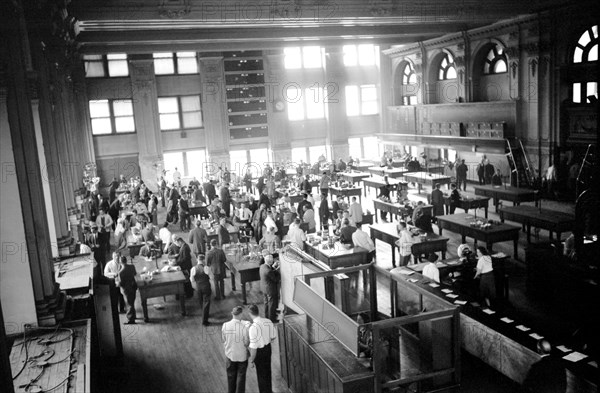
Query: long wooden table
511, 194
247, 269
553, 221
378, 182
162, 284
395, 209
461, 224
431, 242
338, 256
393, 173
469, 202
346, 192
427, 179
353, 177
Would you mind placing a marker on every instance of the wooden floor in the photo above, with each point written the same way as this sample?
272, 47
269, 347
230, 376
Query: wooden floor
176, 354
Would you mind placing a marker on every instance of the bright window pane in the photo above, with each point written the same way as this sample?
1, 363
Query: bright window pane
122, 108
577, 56
412, 100
369, 108
295, 106
163, 55
314, 152
441, 75
584, 39
298, 154
260, 157
576, 92
451, 73
311, 56
94, 69
352, 101
172, 161
350, 57
315, 106
187, 65
117, 64
190, 103
101, 126
195, 162
369, 93
99, 108
192, 120
366, 55
292, 59
591, 89
371, 147
168, 105
412, 79
237, 160
124, 124
355, 150
500, 67
169, 122
593, 53
164, 66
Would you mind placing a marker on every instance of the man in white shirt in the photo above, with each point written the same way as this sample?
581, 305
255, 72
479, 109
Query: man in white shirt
235, 341
262, 334
104, 222
404, 243
361, 239
431, 271
244, 214
356, 212
176, 178
296, 235
165, 236
111, 271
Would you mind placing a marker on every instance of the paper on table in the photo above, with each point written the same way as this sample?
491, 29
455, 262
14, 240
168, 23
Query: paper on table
536, 336
488, 311
433, 285
575, 357
562, 348
452, 295
523, 328
460, 302
413, 280
446, 290
506, 320
406, 272
593, 363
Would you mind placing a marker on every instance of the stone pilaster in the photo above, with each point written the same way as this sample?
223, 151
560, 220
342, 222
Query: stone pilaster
214, 112
145, 110
279, 135
337, 135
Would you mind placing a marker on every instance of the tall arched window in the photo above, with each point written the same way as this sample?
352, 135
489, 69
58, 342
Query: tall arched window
409, 76
495, 61
447, 69
586, 51
586, 48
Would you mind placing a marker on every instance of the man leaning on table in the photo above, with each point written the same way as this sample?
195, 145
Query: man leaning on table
262, 334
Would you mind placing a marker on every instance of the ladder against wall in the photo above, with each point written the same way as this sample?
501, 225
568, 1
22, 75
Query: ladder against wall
521, 174
586, 170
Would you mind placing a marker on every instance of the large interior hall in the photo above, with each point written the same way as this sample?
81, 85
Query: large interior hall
298, 196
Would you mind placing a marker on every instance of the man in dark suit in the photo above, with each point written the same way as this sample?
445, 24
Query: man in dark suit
225, 198
201, 283
547, 375
269, 285
198, 239
92, 240
184, 261
301, 204
306, 187
216, 259
384, 195
184, 214
437, 200
346, 232
209, 190
461, 175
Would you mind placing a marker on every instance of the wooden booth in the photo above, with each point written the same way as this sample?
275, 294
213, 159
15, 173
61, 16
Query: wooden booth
350, 340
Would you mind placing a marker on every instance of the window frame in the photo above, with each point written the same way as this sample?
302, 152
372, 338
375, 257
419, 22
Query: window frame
112, 117
444, 70
175, 62
180, 114
104, 60
361, 101
585, 50
302, 51
491, 64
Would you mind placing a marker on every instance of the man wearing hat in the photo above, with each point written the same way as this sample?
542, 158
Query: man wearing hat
234, 334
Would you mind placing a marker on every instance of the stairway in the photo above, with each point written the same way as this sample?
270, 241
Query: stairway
588, 166
521, 174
